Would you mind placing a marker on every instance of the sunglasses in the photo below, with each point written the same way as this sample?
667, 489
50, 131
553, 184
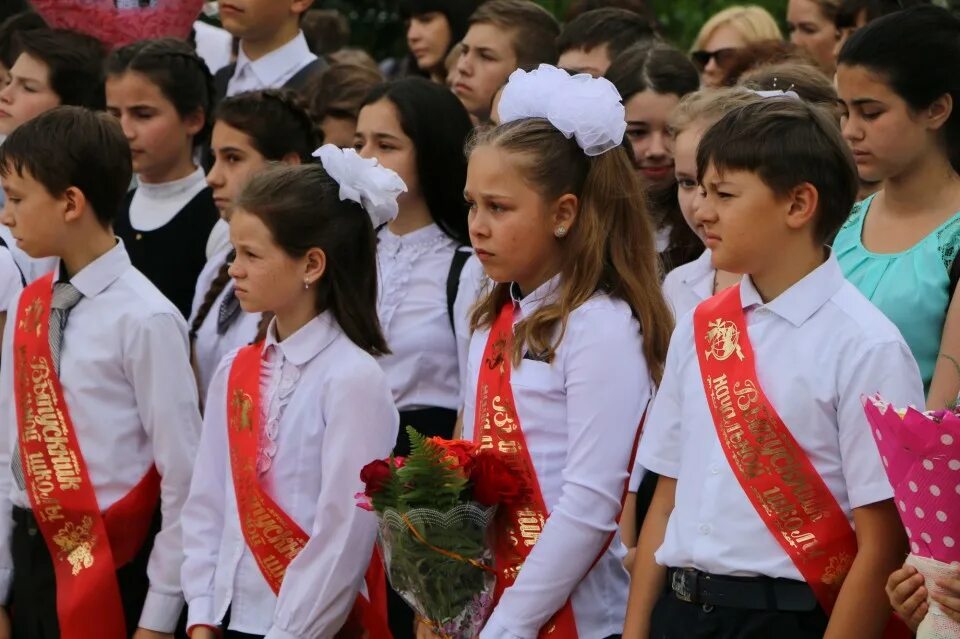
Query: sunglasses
722, 56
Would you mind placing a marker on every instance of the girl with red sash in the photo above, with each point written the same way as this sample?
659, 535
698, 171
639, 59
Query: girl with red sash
275, 546
566, 348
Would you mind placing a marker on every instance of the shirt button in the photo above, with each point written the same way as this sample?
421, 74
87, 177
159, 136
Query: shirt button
714, 470
705, 529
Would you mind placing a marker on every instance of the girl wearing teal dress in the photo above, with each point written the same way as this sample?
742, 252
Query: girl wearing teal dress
899, 90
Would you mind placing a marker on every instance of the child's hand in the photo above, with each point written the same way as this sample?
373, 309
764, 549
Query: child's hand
950, 600
5, 632
424, 631
908, 596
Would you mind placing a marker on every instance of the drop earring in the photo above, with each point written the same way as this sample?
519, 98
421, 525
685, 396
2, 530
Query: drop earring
306, 285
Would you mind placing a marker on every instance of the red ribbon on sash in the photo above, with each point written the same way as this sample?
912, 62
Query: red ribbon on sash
86, 546
498, 428
273, 537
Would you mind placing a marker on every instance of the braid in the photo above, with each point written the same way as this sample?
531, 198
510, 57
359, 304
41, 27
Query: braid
262, 327
216, 287
297, 107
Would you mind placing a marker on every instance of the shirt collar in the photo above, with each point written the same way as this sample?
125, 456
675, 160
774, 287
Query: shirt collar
427, 235
277, 64
307, 342
799, 302
100, 273
543, 294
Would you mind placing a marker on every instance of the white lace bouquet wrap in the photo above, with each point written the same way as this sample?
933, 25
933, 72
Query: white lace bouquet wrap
582, 107
364, 181
921, 454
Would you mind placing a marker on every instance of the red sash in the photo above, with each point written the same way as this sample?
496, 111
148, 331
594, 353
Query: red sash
273, 537
86, 546
498, 427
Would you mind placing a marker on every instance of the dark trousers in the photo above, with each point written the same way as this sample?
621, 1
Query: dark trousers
233, 634
35, 587
675, 619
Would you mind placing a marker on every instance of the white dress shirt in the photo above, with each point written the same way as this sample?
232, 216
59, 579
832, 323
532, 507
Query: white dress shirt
579, 416
10, 282
214, 45
271, 71
125, 371
688, 285
327, 412
423, 367
32, 267
209, 346
819, 347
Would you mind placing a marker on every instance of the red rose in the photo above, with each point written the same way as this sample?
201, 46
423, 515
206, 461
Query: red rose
398, 462
493, 481
460, 452
375, 476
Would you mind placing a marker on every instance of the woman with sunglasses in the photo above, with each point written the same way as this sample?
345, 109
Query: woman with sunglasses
724, 33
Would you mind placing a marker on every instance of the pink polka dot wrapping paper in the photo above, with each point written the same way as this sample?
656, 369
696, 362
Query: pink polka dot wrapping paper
116, 27
921, 454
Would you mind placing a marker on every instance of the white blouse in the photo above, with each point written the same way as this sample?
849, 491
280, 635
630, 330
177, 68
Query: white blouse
327, 412
689, 284
11, 282
125, 370
579, 415
423, 367
209, 346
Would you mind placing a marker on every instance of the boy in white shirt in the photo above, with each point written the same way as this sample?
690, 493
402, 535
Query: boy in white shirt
758, 433
273, 51
97, 401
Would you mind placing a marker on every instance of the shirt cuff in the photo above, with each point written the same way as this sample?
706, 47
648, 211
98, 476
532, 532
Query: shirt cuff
6, 580
277, 633
200, 612
161, 612
496, 630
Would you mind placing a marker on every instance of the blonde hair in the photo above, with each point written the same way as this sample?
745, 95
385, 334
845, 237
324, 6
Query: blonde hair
752, 22
706, 107
610, 247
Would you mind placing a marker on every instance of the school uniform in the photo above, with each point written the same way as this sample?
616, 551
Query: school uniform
11, 281
167, 228
418, 312
125, 372
689, 284
289, 66
31, 267
326, 412
819, 347
225, 328
579, 415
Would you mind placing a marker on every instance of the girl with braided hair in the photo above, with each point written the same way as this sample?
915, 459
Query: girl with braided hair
250, 131
161, 92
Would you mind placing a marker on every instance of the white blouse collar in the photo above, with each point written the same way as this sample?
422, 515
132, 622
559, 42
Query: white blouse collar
544, 294
307, 342
171, 190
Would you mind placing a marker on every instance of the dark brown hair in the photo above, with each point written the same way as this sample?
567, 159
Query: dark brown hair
806, 80
610, 247
339, 90
301, 207
9, 30
786, 142
72, 146
533, 30
180, 74
75, 62
760, 53
277, 124
617, 29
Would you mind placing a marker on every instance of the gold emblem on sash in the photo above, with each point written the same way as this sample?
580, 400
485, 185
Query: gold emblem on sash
837, 569
724, 340
32, 318
242, 403
76, 544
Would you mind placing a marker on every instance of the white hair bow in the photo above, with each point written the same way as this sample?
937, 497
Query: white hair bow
579, 106
374, 187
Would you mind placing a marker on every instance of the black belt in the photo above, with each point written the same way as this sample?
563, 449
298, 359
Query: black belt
753, 593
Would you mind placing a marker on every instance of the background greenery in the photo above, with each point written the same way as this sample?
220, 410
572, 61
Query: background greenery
376, 25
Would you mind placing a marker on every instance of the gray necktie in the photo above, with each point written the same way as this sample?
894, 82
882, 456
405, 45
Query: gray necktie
65, 297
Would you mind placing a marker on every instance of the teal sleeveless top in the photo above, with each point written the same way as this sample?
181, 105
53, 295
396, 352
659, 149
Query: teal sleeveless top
911, 288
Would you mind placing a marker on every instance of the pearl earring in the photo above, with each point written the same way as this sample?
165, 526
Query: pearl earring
306, 285
561, 231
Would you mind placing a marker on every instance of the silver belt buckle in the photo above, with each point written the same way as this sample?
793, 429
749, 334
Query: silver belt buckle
683, 582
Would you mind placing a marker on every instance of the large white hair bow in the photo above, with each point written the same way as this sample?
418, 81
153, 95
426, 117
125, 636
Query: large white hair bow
363, 181
579, 106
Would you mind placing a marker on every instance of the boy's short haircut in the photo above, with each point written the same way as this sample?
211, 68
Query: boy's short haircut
532, 28
71, 146
75, 62
618, 29
786, 142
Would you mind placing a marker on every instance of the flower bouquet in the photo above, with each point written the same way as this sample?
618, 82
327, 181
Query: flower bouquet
436, 508
114, 24
921, 454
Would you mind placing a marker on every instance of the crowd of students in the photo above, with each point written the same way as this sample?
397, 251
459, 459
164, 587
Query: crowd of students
223, 294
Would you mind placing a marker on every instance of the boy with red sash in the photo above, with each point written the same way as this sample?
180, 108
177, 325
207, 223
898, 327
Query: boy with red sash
100, 418
773, 515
